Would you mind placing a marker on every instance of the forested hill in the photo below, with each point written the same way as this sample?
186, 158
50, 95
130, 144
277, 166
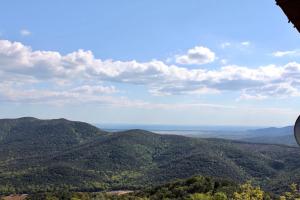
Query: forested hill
39, 155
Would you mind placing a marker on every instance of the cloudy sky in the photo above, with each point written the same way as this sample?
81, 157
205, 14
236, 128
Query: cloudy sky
191, 62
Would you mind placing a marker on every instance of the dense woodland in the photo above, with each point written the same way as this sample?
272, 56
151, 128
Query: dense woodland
195, 188
38, 156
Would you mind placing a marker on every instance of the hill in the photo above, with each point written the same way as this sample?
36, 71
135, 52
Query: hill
284, 135
43, 155
272, 135
179, 189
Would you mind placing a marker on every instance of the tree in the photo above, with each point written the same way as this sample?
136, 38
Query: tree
220, 196
249, 192
198, 196
292, 195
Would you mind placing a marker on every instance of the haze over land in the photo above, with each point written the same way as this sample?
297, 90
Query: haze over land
269, 135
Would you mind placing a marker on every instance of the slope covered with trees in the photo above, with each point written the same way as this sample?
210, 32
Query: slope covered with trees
45, 155
194, 188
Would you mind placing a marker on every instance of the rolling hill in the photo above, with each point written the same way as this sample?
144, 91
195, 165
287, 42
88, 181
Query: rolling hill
284, 135
43, 155
272, 135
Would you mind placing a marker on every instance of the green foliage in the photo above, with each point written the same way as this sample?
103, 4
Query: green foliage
248, 192
201, 196
178, 190
192, 188
198, 196
220, 196
39, 156
293, 194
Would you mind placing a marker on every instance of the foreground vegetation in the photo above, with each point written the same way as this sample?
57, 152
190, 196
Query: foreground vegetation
195, 188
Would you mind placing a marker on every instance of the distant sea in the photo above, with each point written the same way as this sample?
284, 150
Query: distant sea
176, 129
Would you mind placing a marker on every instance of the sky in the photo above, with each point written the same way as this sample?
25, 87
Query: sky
191, 62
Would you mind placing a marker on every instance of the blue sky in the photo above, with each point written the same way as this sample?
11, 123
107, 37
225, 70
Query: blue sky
190, 62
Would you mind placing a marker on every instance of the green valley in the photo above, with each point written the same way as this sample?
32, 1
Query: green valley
46, 155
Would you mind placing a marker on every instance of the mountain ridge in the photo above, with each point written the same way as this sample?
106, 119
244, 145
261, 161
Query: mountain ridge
41, 155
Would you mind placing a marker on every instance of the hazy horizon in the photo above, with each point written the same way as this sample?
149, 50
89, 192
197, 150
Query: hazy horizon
161, 127
122, 126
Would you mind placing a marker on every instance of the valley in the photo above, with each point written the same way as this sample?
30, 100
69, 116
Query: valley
44, 155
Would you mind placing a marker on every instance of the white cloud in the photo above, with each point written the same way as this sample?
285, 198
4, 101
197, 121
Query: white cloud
30, 68
177, 89
87, 94
25, 32
223, 61
198, 55
286, 53
10, 92
78, 97
235, 45
225, 45
281, 90
99, 89
245, 43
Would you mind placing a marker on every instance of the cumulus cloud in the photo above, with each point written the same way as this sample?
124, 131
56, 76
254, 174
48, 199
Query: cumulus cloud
30, 68
281, 90
25, 32
198, 55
